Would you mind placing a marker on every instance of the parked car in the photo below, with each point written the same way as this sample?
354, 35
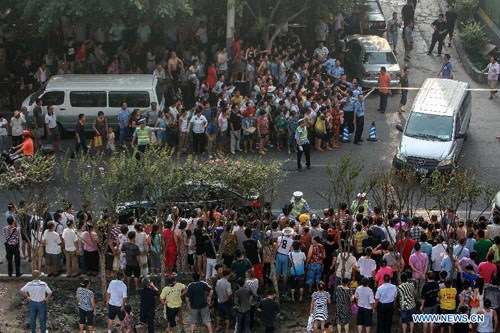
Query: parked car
366, 55
191, 196
376, 20
437, 127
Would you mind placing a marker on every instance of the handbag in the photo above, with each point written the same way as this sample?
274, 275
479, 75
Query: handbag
354, 308
98, 141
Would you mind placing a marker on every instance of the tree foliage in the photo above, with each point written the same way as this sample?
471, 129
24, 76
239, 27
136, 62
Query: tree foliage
42, 13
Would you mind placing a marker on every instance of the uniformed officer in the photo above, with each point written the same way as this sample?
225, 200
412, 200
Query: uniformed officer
359, 110
361, 201
299, 204
303, 144
142, 136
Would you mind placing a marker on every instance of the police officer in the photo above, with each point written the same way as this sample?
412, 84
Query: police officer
348, 107
361, 202
303, 144
299, 204
359, 110
142, 136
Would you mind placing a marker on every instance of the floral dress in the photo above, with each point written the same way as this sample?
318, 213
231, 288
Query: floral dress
343, 305
315, 267
182, 253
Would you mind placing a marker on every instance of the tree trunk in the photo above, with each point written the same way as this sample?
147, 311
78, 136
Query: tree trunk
102, 272
273, 277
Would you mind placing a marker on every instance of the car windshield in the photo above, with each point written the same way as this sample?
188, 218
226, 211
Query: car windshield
380, 58
429, 126
36, 94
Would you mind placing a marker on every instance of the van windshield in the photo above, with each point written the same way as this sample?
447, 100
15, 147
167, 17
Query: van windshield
36, 94
429, 126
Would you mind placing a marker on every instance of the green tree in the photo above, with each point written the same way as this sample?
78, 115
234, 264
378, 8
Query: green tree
101, 13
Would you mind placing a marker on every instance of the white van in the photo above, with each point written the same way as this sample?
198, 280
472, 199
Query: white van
437, 127
71, 95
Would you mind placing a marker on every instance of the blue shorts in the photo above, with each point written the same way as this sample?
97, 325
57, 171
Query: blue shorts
407, 316
314, 273
282, 262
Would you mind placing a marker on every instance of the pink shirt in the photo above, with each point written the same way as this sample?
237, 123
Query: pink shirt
379, 277
486, 270
420, 261
89, 242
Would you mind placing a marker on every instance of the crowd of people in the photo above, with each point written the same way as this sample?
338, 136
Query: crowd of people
359, 258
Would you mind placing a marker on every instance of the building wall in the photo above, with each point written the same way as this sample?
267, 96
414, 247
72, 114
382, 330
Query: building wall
492, 9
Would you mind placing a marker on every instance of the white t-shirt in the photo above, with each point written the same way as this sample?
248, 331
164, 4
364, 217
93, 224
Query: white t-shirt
3, 130
350, 262
37, 290
52, 242
199, 124
70, 237
366, 267
51, 120
284, 244
117, 291
493, 71
17, 125
365, 297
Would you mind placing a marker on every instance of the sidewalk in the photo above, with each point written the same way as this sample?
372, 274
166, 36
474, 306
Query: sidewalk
426, 12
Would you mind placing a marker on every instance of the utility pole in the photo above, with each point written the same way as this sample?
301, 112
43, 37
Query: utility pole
231, 13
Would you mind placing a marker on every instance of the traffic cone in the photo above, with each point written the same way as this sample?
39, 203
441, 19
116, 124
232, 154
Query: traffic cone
373, 133
345, 135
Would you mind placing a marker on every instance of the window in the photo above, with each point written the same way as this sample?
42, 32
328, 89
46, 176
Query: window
134, 99
465, 105
159, 92
88, 99
429, 126
53, 98
379, 58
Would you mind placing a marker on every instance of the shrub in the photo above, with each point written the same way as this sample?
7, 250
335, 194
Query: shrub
472, 36
465, 9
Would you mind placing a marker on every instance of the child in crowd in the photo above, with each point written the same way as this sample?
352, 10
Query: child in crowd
110, 143
128, 324
191, 249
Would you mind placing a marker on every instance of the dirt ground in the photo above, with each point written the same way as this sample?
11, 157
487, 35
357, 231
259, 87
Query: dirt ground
63, 315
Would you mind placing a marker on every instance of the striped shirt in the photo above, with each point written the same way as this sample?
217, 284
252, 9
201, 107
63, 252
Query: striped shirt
406, 292
11, 235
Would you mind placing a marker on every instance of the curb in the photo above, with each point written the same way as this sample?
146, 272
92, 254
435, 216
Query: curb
473, 72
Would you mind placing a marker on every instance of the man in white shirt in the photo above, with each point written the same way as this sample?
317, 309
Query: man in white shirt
282, 249
198, 123
52, 242
493, 69
366, 266
116, 300
71, 249
51, 129
4, 124
17, 125
384, 300
436, 255
321, 52
38, 294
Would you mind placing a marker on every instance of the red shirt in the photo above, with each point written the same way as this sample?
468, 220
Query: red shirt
408, 244
28, 149
384, 82
486, 270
